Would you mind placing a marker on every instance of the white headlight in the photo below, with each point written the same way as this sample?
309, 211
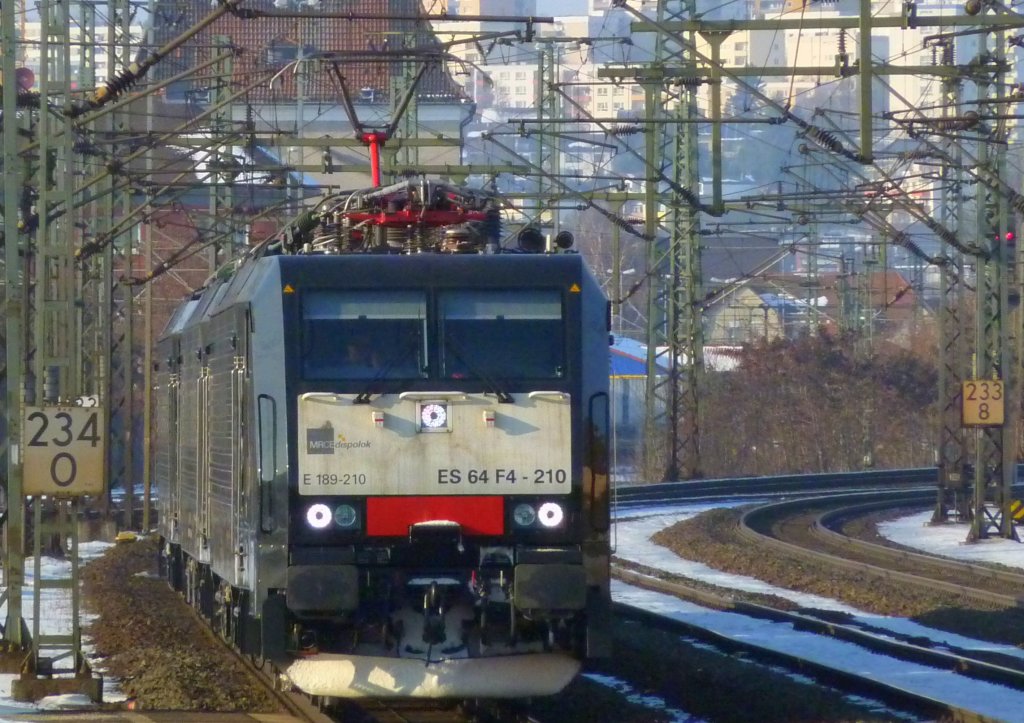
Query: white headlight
319, 516
551, 514
524, 515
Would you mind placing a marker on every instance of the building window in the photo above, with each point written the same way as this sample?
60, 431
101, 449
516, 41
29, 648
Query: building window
602, 90
602, 106
279, 53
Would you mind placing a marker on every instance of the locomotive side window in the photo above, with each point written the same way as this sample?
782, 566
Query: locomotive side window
364, 335
502, 334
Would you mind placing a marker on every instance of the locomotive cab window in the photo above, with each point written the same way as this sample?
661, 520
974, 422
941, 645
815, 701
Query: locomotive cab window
502, 334
364, 335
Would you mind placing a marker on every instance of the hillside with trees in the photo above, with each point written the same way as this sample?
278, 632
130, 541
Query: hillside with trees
816, 404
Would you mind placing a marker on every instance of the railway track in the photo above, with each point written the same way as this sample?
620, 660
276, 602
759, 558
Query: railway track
631, 496
855, 684
827, 524
812, 529
808, 529
772, 525
963, 662
828, 529
295, 704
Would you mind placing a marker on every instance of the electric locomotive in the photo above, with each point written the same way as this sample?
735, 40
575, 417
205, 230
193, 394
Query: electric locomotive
382, 451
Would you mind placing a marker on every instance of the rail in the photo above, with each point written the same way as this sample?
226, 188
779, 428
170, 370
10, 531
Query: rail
632, 495
892, 694
998, 586
755, 526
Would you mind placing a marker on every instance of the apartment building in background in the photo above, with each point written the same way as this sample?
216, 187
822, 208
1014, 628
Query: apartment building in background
30, 52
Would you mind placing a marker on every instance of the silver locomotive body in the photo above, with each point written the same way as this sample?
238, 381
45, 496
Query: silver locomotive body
389, 472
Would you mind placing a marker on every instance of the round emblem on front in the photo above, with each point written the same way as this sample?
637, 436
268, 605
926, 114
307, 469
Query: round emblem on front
433, 416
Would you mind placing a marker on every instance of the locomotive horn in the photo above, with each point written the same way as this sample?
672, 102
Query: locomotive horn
564, 240
531, 240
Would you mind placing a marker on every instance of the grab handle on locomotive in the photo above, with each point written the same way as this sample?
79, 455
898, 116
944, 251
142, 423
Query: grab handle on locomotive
266, 411
419, 396
598, 446
551, 396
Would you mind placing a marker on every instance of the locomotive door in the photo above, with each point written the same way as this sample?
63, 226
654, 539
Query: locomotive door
190, 462
203, 412
242, 454
167, 447
173, 397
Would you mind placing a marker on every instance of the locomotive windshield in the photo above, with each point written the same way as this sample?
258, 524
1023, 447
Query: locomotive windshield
364, 335
505, 334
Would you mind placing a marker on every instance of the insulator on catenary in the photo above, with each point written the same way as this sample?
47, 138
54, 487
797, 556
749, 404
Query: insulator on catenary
942, 232
27, 99
916, 155
622, 223
689, 197
946, 235
824, 138
900, 238
966, 122
624, 130
914, 249
116, 86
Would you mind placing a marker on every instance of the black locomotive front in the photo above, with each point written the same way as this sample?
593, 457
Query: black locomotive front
419, 497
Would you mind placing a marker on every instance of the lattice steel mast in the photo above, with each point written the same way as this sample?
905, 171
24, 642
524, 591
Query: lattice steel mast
995, 453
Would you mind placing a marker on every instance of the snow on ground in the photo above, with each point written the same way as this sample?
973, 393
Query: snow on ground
997, 702
55, 619
633, 543
950, 540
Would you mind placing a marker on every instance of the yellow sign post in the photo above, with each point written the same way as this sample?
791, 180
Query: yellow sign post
64, 451
982, 403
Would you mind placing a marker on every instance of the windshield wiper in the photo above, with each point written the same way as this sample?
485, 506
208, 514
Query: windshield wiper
503, 396
364, 396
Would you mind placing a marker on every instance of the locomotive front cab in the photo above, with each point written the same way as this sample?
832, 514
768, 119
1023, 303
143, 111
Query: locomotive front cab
443, 448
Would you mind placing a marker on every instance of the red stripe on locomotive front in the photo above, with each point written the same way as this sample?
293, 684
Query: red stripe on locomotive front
392, 516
